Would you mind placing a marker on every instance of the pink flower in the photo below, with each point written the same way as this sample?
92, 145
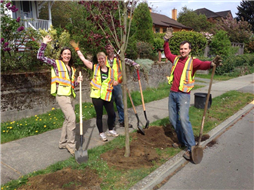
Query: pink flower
7, 49
6, 44
20, 28
8, 4
2, 40
18, 19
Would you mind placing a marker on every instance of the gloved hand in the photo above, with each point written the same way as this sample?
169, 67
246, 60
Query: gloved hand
216, 61
74, 45
137, 66
168, 34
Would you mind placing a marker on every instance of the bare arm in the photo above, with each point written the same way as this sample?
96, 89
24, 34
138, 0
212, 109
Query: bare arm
87, 63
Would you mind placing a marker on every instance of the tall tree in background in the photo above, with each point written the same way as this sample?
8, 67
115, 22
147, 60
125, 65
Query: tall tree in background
246, 12
111, 18
190, 18
143, 23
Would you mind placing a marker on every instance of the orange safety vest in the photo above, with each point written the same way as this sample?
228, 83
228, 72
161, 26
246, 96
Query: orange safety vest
65, 83
103, 89
187, 80
117, 67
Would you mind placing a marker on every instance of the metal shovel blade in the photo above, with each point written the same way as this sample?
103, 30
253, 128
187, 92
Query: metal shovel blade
197, 154
81, 155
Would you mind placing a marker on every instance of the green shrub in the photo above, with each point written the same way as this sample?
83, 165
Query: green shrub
236, 65
145, 50
220, 44
197, 40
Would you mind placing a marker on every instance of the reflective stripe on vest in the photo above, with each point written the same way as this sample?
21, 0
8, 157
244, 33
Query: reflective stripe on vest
103, 89
187, 80
117, 67
65, 84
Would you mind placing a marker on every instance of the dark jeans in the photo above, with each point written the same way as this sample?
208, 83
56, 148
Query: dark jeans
118, 98
98, 105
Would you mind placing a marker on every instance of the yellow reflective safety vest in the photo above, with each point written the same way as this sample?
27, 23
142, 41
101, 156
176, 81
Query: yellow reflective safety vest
65, 83
103, 89
117, 67
186, 81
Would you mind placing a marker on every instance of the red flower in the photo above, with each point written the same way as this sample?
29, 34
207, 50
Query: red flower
18, 19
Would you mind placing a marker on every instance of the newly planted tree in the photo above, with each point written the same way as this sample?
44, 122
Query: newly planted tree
111, 18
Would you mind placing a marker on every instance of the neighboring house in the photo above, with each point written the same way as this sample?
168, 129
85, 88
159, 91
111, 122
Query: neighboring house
29, 13
214, 16
161, 22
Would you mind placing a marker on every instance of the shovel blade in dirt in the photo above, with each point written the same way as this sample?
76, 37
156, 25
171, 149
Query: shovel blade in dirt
81, 155
197, 154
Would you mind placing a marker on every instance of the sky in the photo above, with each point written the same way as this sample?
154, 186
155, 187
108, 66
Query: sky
165, 6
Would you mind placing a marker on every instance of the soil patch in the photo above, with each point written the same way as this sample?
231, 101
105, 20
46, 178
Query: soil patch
143, 154
66, 178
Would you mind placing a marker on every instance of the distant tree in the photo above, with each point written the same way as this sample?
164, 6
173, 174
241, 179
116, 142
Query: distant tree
60, 13
237, 31
190, 18
143, 23
246, 12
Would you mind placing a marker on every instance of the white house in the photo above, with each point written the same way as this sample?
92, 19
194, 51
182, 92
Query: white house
29, 11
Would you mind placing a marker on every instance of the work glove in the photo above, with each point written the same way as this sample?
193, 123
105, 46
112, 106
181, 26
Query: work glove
168, 34
216, 61
74, 45
137, 66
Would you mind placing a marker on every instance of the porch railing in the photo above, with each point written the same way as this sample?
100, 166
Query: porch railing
37, 23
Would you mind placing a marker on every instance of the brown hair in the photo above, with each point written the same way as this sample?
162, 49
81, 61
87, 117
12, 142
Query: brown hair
71, 63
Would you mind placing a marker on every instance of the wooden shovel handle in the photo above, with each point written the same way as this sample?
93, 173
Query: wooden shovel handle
131, 101
206, 105
80, 106
141, 92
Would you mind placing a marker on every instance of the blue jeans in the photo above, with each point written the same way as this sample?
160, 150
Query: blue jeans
178, 106
118, 98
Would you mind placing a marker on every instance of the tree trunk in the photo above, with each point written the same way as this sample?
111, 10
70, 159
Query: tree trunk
124, 86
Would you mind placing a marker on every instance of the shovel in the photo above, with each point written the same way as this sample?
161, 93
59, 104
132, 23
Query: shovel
142, 98
81, 155
139, 127
197, 151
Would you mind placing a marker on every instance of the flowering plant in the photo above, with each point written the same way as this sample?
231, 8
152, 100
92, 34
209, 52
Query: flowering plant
208, 36
11, 28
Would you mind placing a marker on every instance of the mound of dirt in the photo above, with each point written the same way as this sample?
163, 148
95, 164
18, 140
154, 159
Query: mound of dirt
142, 150
66, 178
142, 154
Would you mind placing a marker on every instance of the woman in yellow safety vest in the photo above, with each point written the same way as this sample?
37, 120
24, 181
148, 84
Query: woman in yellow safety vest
101, 91
62, 86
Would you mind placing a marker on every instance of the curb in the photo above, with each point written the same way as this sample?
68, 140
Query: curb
172, 165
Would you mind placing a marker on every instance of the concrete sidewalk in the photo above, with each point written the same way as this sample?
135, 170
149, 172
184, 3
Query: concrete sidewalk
34, 153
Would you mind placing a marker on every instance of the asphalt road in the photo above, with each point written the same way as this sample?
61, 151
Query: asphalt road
226, 165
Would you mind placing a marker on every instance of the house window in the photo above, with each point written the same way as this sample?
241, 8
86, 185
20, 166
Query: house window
164, 30
26, 9
157, 30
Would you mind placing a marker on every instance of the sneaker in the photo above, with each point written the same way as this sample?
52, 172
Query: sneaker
112, 133
122, 125
70, 150
187, 155
103, 137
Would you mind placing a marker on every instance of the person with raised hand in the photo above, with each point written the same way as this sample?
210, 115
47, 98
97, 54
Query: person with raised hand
101, 90
62, 87
182, 82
